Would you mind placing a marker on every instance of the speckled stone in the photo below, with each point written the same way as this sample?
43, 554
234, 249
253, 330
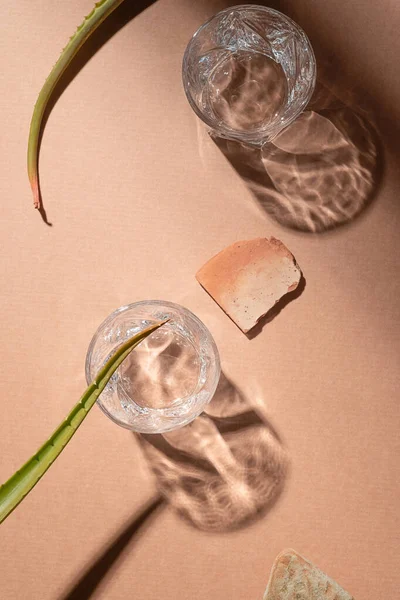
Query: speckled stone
294, 578
249, 277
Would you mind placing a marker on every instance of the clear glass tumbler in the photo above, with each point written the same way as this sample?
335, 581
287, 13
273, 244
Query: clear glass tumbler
168, 379
248, 73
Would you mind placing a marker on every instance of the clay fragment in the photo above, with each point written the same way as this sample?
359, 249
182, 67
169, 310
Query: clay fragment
249, 277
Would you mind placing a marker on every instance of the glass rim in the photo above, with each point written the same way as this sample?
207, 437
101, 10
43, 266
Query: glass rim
168, 412
234, 133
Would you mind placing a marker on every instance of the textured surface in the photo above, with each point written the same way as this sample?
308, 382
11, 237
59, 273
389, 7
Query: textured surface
139, 199
249, 277
294, 578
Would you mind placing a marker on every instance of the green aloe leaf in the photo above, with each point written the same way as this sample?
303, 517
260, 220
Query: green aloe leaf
20, 484
99, 13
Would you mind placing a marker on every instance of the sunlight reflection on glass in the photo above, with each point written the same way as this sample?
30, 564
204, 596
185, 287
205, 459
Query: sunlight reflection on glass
168, 379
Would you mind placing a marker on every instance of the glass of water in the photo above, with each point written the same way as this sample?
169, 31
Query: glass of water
168, 379
248, 73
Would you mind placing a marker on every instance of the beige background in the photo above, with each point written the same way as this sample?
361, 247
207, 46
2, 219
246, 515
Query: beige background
139, 198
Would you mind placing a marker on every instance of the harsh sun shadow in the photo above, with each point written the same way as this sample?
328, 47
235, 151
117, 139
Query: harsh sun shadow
225, 469
92, 577
321, 172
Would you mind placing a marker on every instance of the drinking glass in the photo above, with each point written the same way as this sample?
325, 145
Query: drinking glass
168, 379
248, 73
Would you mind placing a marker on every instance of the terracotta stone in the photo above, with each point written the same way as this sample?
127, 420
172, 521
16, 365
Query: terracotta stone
249, 277
294, 578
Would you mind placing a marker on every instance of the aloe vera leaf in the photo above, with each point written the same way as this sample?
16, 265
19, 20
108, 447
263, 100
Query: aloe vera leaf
13, 491
99, 13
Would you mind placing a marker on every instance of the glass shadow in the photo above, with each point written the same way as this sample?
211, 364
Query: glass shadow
225, 469
318, 174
